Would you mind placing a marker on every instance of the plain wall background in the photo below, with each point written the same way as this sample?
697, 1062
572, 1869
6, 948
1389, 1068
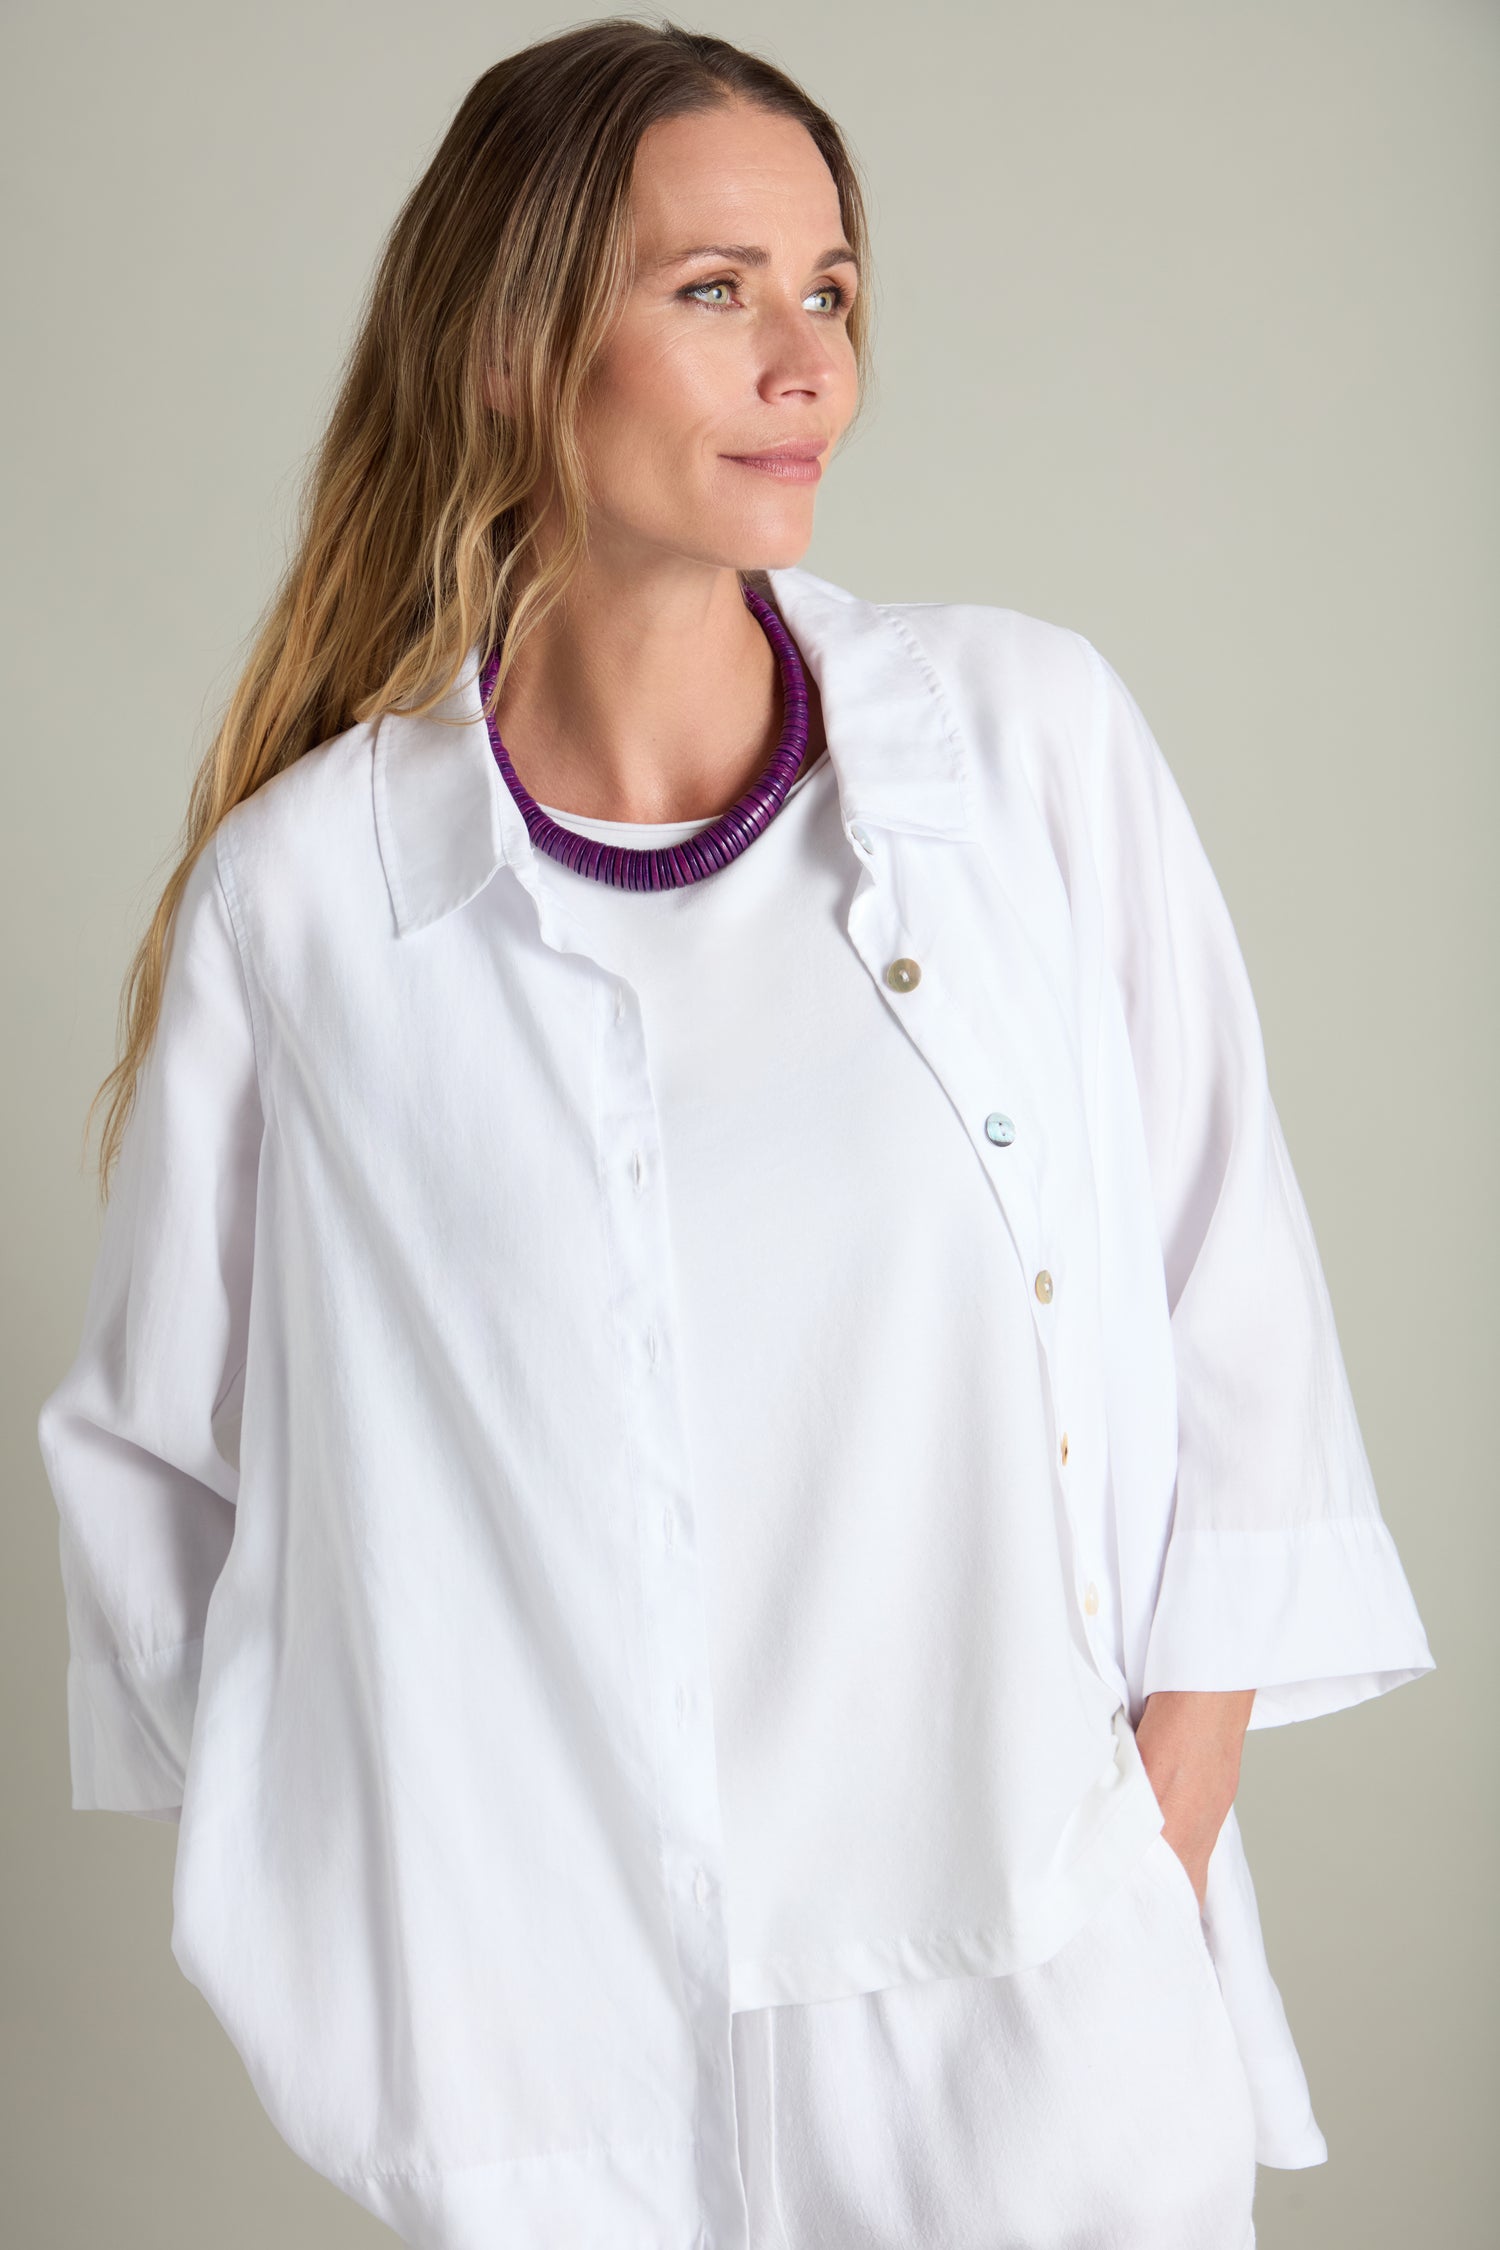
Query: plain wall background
1187, 337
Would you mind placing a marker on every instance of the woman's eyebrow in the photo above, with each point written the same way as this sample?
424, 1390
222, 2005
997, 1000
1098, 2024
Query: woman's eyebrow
749, 254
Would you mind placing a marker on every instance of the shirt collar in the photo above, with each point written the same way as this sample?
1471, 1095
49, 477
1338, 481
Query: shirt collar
445, 820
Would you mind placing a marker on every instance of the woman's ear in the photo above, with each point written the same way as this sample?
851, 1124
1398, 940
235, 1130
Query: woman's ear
496, 389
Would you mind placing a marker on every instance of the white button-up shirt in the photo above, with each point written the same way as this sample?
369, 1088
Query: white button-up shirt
376, 1509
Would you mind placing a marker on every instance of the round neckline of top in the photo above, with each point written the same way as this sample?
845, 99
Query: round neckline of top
662, 831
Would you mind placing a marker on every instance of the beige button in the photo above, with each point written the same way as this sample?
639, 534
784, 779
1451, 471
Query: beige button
903, 974
1044, 1286
1091, 1598
1064, 1449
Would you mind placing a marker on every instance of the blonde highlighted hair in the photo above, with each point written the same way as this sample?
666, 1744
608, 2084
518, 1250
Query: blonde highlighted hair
420, 501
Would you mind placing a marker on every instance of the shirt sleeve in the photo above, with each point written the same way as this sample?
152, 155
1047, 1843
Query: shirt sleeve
1280, 1572
140, 1437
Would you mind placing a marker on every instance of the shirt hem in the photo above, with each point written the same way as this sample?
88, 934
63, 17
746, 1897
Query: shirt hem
1031, 1932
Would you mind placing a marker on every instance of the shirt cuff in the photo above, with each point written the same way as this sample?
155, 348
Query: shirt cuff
129, 1725
1314, 1617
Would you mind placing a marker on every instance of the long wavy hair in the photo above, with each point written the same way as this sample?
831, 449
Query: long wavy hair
420, 502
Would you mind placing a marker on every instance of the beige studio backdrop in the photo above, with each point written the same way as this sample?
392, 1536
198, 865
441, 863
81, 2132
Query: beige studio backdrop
1186, 338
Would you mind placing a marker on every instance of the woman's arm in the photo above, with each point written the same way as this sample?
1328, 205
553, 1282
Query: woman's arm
135, 1437
1280, 1575
1190, 1743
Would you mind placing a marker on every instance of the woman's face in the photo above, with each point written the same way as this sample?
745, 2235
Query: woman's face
740, 345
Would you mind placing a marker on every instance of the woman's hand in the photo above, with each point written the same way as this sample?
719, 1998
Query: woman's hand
1190, 1743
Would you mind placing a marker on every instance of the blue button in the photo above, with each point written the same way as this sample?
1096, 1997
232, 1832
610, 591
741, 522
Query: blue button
1000, 1128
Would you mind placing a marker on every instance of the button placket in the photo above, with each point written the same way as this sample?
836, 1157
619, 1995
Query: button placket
658, 1466
911, 976
691, 1828
1044, 1289
947, 1045
1013, 1165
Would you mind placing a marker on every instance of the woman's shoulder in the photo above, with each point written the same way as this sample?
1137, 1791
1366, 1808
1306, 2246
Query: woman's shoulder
992, 651
988, 655
315, 778
296, 835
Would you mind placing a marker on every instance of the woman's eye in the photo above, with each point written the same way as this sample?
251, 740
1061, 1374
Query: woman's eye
694, 292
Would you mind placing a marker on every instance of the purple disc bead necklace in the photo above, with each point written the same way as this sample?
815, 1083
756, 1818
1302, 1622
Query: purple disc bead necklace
633, 867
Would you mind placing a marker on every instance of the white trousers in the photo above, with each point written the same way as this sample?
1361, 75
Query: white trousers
1095, 2102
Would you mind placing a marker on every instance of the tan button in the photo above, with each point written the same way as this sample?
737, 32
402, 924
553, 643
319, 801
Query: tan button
1091, 1598
903, 974
1044, 1286
1064, 1449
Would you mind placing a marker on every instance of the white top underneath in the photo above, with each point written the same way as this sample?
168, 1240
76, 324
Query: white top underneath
871, 1444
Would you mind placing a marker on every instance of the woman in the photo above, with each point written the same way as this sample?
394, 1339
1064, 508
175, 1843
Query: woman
708, 1403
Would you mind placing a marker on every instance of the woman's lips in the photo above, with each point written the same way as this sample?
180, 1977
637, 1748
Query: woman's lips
793, 467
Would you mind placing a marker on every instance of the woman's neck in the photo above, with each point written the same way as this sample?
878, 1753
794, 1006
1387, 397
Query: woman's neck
641, 705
